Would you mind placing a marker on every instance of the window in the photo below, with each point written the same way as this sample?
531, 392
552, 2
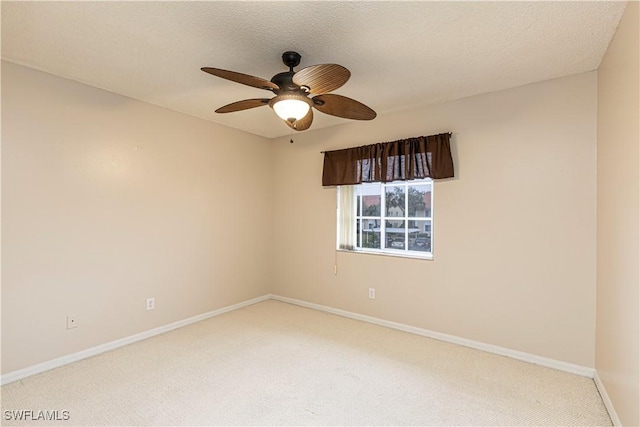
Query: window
391, 218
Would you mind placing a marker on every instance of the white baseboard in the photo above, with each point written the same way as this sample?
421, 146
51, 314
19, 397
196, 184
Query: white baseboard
527, 357
102, 348
607, 401
520, 355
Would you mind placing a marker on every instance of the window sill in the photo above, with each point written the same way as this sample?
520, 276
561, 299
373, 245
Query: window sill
425, 257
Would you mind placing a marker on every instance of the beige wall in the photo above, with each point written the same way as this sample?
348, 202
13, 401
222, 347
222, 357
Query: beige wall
107, 201
514, 235
618, 278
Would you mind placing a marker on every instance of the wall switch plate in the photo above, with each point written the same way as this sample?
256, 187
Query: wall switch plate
372, 293
72, 322
151, 303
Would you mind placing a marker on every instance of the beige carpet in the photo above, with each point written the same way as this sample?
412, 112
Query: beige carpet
278, 364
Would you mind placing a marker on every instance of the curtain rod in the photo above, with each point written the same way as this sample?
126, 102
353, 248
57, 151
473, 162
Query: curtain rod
450, 133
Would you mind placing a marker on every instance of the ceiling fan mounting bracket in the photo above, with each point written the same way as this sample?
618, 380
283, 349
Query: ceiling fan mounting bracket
291, 59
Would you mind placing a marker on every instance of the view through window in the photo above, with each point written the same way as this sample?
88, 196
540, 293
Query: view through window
395, 218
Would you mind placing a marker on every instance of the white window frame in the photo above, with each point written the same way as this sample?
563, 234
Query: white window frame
383, 218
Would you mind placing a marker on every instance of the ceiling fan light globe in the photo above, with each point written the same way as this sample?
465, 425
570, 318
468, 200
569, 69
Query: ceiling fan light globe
291, 109
291, 106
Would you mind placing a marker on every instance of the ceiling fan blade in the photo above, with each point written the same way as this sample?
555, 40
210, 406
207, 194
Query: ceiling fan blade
243, 105
302, 124
245, 79
341, 106
323, 78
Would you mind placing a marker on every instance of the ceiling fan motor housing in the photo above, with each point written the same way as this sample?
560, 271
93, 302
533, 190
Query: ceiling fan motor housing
285, 82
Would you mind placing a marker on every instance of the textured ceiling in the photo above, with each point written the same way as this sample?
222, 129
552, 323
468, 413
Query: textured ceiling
401, 54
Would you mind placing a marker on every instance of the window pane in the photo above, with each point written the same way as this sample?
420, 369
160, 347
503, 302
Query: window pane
420, 236
370, 200
394, 201
371, 233
407, 217
395, 233
420, 201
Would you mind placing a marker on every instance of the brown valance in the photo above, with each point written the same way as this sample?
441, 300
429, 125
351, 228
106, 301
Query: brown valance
405, 159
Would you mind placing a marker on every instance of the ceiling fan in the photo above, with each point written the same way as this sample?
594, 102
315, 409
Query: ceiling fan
292, 89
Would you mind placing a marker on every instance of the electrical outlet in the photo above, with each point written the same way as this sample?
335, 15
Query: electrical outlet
151, 303
372, 293
72, 322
